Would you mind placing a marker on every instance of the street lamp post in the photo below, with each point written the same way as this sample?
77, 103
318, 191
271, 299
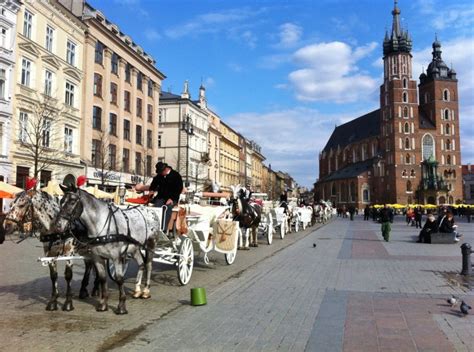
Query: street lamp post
187, 126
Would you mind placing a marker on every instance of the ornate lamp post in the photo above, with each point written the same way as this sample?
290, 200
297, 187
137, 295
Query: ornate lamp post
187, 126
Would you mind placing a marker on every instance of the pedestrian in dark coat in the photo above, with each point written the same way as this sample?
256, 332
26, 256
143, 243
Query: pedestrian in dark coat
431, 226
366, 212
418, 217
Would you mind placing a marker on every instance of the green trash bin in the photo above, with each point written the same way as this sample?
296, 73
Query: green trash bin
198, 296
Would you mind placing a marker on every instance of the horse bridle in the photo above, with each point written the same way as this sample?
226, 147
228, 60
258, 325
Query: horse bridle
75, 212
30, 210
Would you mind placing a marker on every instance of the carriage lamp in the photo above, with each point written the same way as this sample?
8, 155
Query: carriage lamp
121, 193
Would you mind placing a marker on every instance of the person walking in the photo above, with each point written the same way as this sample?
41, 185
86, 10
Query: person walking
386, 218
366, 212
351, 212
418, 217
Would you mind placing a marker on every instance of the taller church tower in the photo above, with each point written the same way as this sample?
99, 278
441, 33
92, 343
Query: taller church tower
398, 169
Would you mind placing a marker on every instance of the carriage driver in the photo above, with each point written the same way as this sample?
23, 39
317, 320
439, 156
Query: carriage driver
168, 185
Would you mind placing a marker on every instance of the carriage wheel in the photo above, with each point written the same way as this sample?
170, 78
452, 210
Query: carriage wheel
230, 257
282, 229
297, 225
269, 233
185, 260
304, 225
111, 268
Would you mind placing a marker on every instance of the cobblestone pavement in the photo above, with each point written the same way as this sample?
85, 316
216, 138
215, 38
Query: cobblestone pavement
25, 289
353, 292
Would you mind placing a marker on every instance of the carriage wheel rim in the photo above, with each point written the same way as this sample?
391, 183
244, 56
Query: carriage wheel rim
185, 261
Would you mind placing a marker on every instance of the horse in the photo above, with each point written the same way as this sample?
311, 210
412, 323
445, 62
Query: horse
37, 210
249, 215
113, 234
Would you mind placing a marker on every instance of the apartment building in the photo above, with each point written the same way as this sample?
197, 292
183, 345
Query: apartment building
229, 157
214, 148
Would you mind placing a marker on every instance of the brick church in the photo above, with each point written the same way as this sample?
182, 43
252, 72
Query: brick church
406, 152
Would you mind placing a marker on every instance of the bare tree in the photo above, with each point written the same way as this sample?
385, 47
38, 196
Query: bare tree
104, 157
40, 135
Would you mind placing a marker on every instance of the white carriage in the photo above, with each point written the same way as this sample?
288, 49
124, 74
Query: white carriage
304, 216
279, 219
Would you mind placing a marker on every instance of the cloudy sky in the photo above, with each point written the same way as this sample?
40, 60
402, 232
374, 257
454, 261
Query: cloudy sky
286, 72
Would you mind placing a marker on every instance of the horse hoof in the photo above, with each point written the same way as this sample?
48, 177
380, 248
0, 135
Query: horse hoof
137, 294
52, 306
246, 248
146, 296
83, 294
102, 308
121, 311
67, 307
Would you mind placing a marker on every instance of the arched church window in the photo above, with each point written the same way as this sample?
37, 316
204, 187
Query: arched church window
404, 173
407, 159
412, 173
448, 160
409, 186
448, 144
405, 97
446, 95
427, 147
365, 195
446, 114
427, 97
405, 83
405, 112
407, 143
448, 130
406, 128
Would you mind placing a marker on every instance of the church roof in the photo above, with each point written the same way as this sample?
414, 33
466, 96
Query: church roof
358, 129
350, 171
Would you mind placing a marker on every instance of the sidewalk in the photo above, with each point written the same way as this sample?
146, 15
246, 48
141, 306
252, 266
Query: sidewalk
353, 292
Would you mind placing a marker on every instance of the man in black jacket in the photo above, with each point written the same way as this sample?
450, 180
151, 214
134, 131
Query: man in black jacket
168, 185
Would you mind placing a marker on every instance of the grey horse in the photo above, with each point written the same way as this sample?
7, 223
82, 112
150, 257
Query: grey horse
113, 234
36, 211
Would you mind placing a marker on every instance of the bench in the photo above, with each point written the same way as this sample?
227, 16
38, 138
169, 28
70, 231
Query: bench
442, 238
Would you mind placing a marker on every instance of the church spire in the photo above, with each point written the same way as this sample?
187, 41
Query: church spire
396, 28
399, 40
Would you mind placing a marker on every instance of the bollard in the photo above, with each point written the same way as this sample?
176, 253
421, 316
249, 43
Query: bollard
466, 259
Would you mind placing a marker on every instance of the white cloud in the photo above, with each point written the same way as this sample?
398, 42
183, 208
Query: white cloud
329, 73
235, 67
289, 35
444, 15
152, 34
209, 82
273, 61
291, 138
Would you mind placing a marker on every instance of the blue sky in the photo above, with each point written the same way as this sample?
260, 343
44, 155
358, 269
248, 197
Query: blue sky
285, 72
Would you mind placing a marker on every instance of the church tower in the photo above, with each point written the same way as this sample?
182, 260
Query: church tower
398, 167
439, 134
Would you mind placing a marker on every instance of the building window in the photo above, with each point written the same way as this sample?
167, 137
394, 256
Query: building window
97, 118
149, 139
150, 88
71, 53
446, 114
446, 95
407, 143
448, 144
126, 101
406, 128
3, 37
112, 156
159, 140
113, 124
128, 69
139, 107
138, 135
412, 173
27, 24
69, 99
365, 196
25, 72
126, 130
45, 177
409, 188
139, 81
49, 39
448, 160
148, 165
113, 93
95, 153
48, 82
404, 173
448, 129
405, 112
149, 110
405, 97
3, 80
23, 127
428, 147
114, 63
126, 160
99, 52
97, 85
68, 139
405, 83
407, 159
138, 163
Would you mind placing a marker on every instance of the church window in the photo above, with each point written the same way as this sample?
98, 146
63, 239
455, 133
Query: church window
404, 173
446, 95
427, 147
412, 173
427, 96
405, 83
446, 114
409, 189
447, 129
448, 160
365, 196
407, 159
405, 97
407, 143
405, 112
406, 128
448, 144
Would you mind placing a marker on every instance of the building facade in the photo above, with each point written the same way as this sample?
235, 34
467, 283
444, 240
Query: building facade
121, 103
183, 136
468, 183
229, 156
47, 93
8, 28
408, 151
257, 160
214, 150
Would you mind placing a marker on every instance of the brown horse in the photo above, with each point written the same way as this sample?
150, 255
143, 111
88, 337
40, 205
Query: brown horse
248, 215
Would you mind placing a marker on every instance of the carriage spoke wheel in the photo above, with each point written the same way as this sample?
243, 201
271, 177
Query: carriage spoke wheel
111, 268
230, 257
282, 229
185, 261
270, 232
297, 225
